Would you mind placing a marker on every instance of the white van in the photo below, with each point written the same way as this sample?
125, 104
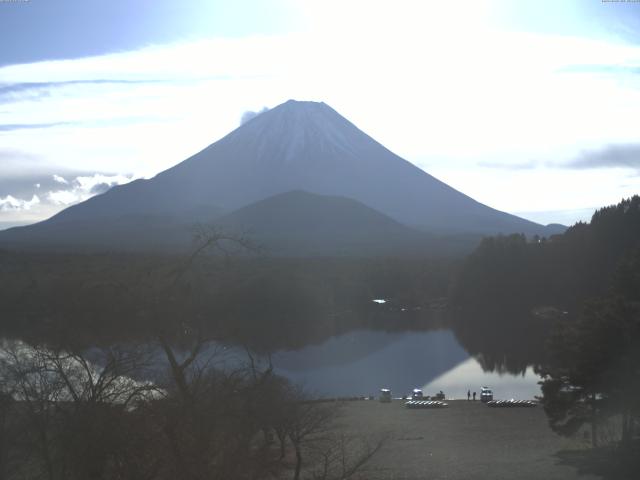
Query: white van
385, 395
486, 395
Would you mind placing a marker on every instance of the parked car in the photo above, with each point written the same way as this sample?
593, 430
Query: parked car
486, 395
385, 395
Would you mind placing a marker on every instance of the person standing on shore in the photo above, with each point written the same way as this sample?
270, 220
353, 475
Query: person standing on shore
468, 395
474, 396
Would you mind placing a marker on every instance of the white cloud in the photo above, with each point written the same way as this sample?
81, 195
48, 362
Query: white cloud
250, 115
59, 179
10, 203
88, 183
83, 187
64, 197
496, 90
52, 196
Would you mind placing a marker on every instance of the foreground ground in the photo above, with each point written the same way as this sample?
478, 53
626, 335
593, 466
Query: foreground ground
467, 440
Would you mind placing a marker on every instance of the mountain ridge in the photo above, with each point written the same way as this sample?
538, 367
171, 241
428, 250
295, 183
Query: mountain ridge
333, 157
296, 146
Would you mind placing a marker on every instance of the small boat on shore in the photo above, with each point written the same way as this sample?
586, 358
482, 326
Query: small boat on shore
511, 403
418, 404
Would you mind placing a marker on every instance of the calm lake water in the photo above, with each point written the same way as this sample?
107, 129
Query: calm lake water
362, 362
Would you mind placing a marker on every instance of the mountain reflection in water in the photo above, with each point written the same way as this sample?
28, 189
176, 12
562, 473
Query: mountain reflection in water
362, 362
469, 376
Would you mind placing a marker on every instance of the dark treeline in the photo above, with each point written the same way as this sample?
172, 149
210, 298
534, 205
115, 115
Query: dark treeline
571, 305
514, 273
512, 290
265, 303
591, 374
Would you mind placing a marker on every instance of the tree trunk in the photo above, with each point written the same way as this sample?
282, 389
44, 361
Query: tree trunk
283, 443
4, 406
594, 427
296, 475
46, 454
625, 428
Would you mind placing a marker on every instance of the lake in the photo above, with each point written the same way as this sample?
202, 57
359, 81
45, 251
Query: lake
361, 362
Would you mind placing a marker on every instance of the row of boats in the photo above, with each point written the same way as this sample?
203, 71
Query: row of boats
425, 404
493, 403
417, 400
511, 403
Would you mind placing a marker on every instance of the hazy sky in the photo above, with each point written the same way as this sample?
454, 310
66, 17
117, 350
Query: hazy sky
528, 106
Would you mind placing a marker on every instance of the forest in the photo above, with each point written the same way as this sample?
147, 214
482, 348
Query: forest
266, 303
570, 305
84, 335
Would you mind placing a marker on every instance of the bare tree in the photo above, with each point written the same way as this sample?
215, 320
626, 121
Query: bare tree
321, 452
74, 412
341, 457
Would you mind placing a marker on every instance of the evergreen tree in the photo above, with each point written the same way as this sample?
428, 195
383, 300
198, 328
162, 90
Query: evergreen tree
593, 368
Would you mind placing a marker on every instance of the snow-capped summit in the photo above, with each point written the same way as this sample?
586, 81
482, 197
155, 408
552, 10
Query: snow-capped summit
295, 125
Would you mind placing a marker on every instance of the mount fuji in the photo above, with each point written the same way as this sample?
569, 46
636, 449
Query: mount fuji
302, 147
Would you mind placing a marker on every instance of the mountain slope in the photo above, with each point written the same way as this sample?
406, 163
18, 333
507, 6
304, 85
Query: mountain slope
303, 146
295, 146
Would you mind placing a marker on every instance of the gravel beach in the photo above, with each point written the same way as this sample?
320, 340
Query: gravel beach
466, 440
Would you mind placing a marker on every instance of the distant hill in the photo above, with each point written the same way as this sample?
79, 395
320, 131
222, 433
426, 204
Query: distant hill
297, 146
299, 222
554, 229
